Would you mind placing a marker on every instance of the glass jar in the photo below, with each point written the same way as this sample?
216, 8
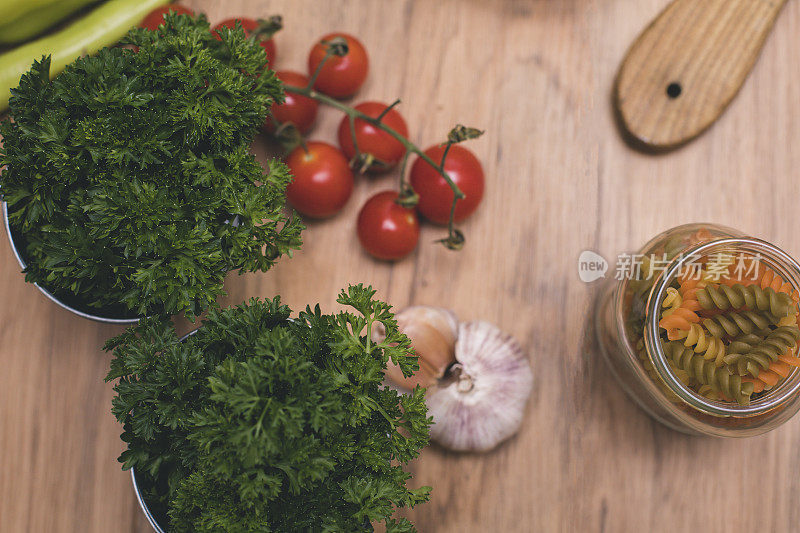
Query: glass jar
630, 338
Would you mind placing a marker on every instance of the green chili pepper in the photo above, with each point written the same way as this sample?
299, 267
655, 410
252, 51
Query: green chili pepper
103, 26
30, 24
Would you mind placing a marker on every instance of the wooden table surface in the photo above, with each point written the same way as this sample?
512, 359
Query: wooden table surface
537, 75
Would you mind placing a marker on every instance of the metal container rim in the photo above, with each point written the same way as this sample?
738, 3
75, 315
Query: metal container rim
652, 336
48, 294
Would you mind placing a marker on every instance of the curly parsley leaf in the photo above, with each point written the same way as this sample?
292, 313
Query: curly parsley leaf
261, 423
129, 177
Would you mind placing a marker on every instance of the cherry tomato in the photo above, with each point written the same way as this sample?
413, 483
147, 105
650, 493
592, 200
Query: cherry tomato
372, 140
155, 18
296, 109
387, 230
435, 195
341, 76
248, 25
322, 182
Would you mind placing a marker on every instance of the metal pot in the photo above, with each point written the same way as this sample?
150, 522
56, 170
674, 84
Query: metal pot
151, 518
76, 308
143, 504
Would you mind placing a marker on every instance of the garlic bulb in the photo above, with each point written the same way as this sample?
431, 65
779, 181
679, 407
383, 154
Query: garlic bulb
433, 332
478, 378
483, 404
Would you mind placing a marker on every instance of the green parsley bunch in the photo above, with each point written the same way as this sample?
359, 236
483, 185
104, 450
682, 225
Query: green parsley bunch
129, 178
261, 423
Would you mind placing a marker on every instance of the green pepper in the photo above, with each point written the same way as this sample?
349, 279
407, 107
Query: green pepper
33, 23
103, 26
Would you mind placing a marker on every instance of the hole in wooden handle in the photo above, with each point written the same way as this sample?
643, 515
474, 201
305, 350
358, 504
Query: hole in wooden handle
674, 90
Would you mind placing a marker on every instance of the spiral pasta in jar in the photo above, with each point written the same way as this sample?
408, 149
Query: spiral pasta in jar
703, 331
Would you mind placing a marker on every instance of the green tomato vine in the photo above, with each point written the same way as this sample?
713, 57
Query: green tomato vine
361, 162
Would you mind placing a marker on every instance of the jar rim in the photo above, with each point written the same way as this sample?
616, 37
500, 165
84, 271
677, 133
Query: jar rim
789, 269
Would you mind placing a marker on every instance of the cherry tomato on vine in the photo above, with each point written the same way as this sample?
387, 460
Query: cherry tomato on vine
248, 25
435, 195
373, 140
340, 76
322, 182
386, 229
155, 18
296, 109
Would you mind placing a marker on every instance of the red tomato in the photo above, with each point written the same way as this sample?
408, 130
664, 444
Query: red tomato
435, 195
155, 18
297, 109
340, 77
248, 25
322, 182
372, 140
387, 230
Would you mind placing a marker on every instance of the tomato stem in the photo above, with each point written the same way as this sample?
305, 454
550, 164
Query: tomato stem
315, 75
266, 29
455, 238
446, 150
388, 108
407, 197
335, 47
403, 184
354, 139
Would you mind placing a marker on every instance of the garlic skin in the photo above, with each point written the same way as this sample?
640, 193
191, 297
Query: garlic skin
433, 332
442, 320
484, 403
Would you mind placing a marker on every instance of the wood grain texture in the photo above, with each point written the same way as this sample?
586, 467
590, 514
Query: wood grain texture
687, 66
538, 76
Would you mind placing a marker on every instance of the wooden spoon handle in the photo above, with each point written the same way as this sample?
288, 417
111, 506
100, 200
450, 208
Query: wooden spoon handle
686, 67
